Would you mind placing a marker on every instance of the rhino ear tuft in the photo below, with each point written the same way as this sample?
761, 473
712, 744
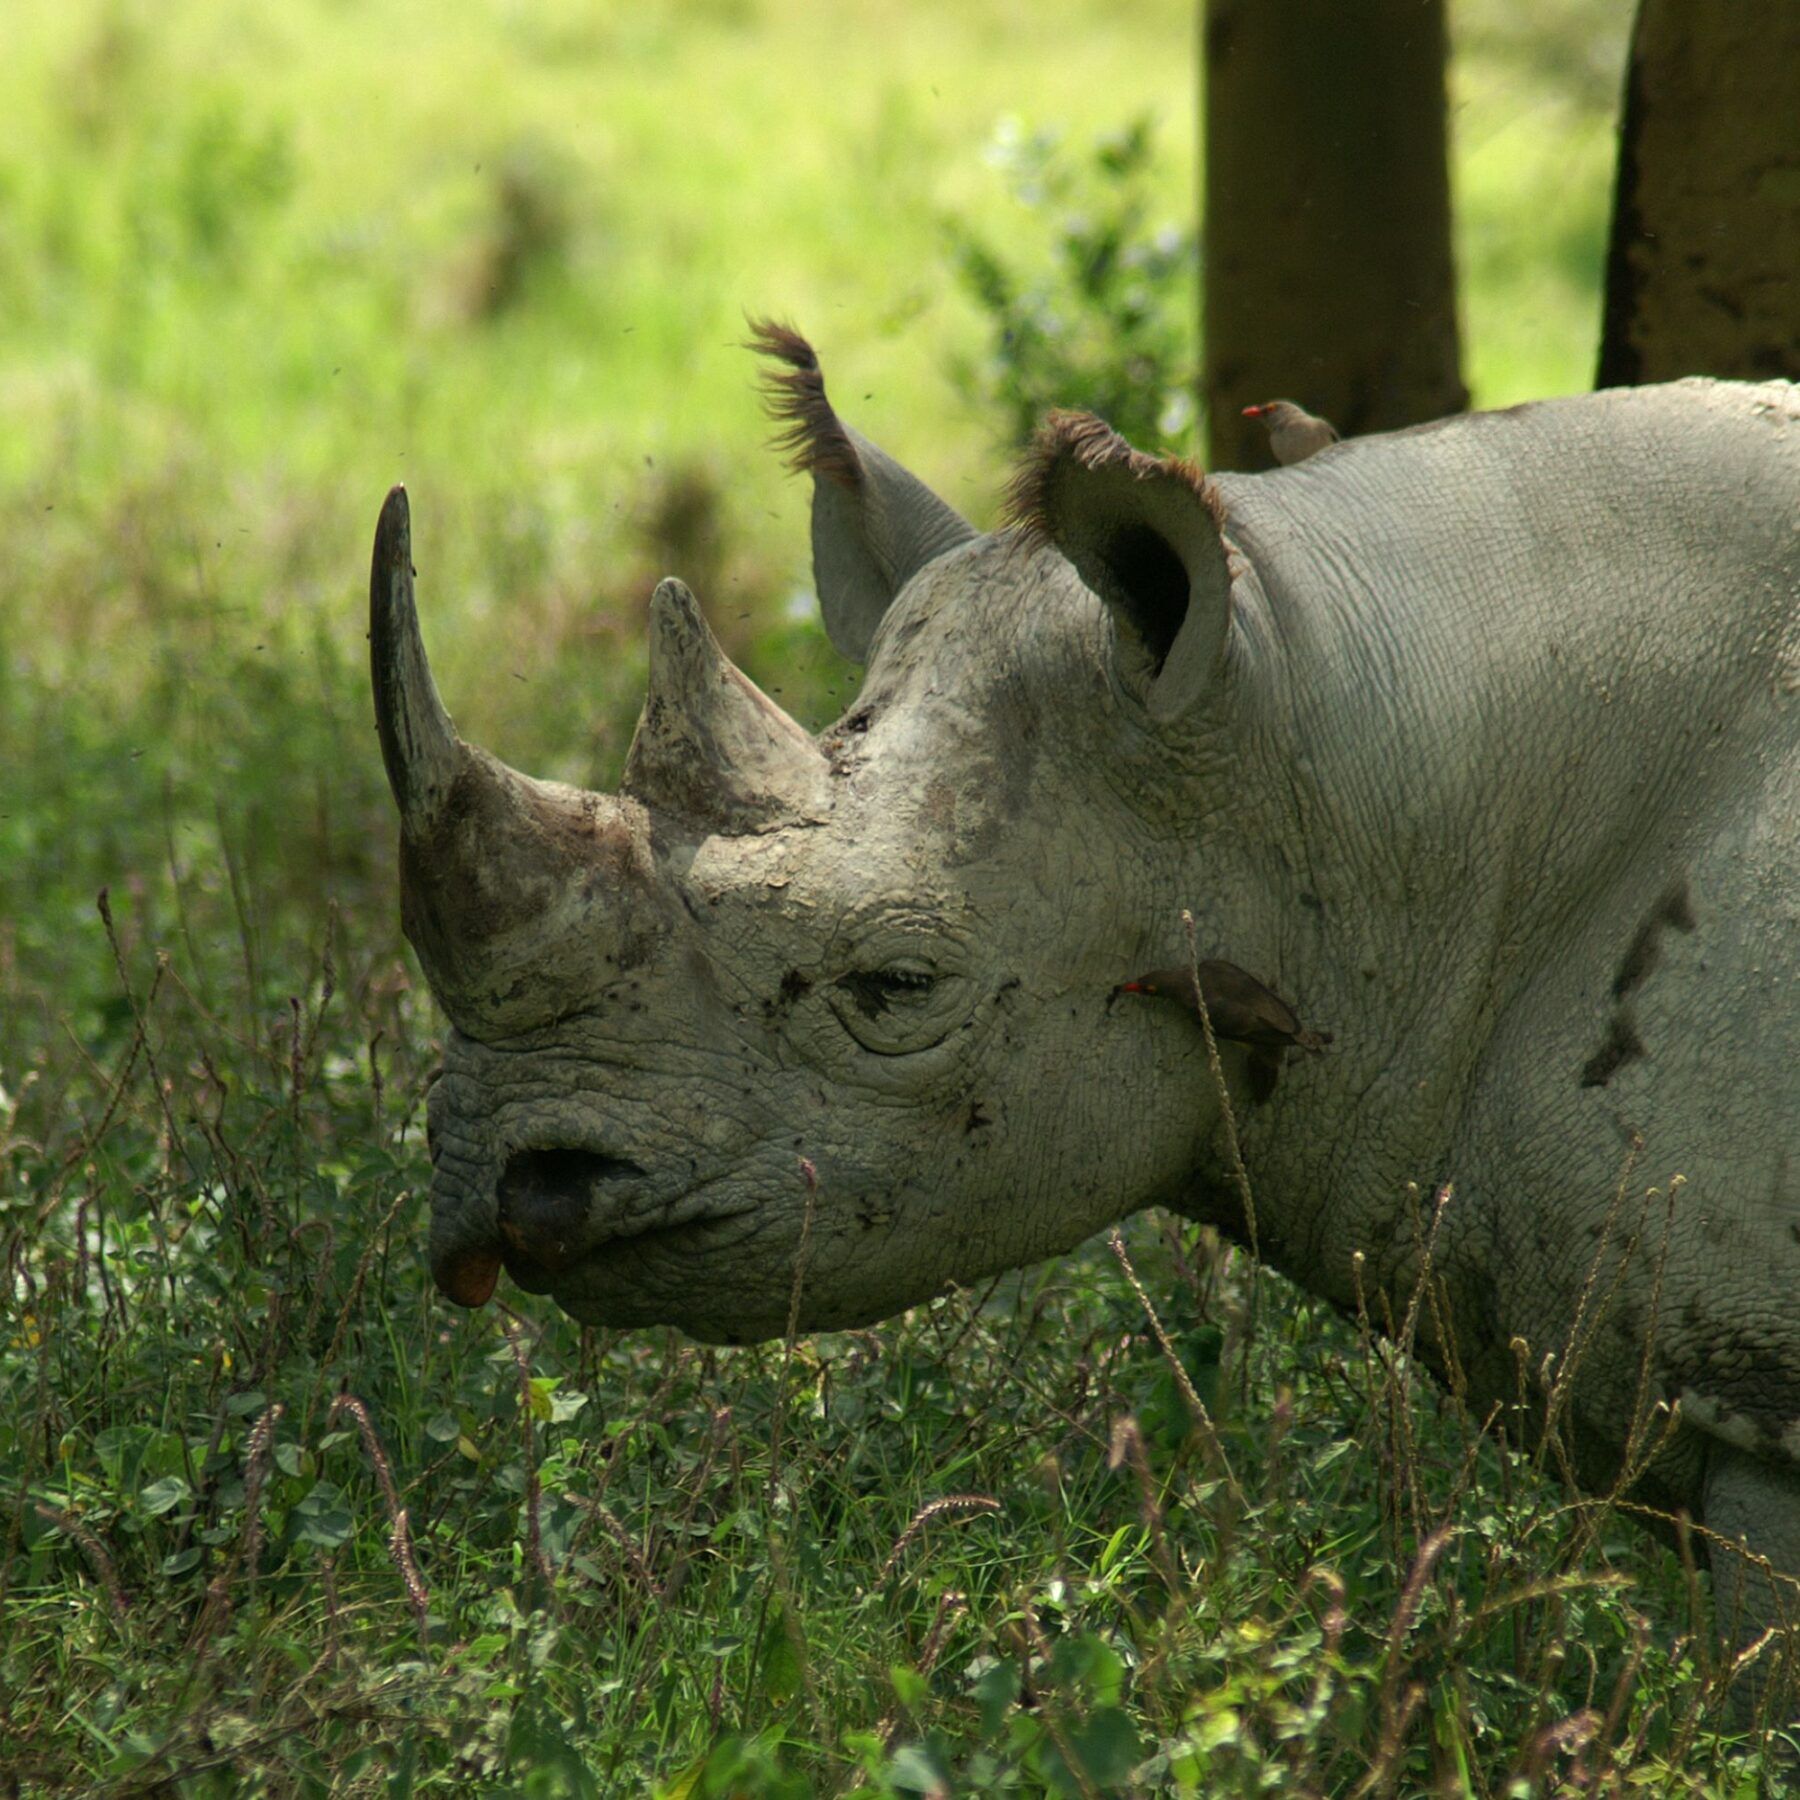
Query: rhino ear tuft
874, 525
1145, 534
810, 436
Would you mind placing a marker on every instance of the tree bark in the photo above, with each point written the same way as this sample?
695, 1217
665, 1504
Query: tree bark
1329, 277
1704, 261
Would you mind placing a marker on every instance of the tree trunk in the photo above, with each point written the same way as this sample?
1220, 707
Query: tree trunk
1328, 271
1705, 255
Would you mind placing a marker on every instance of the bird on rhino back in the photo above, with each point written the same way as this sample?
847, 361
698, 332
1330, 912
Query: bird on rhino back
1478, 743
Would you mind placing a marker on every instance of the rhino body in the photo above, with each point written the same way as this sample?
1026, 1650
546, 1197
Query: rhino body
1477, 743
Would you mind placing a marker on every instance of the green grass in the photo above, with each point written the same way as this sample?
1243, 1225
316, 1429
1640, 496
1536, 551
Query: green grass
256, 263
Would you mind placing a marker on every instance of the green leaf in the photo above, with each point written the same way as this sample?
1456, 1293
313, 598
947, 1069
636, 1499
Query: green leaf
182, 1560
995, 1690
1107, 1746
129, 1453
442, 1428
321, 1518
164, 1495
780, 1657
685, 1785
1115, 1545
911, 1687
917, 1769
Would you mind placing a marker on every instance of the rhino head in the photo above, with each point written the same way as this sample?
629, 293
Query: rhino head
820, 1026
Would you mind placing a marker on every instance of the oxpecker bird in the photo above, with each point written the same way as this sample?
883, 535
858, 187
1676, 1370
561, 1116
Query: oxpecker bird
1242, 1011
1294, 433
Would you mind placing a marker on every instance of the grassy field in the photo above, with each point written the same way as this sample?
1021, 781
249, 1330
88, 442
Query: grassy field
275, 1520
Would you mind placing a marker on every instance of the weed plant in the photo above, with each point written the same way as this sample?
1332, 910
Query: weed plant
1104, 322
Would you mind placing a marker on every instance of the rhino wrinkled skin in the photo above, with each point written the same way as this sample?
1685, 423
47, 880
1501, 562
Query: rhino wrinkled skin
1478, 743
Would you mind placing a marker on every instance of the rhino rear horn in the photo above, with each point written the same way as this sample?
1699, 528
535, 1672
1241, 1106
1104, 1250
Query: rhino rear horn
874, 525
710, 746
1145, 534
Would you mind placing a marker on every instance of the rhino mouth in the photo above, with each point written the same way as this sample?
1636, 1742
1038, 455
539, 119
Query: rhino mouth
557, 1209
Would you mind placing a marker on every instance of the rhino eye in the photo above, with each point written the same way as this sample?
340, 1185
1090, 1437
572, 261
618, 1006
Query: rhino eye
876, 991
899, 1007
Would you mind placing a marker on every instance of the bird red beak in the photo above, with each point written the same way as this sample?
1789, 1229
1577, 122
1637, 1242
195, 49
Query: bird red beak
1254, 412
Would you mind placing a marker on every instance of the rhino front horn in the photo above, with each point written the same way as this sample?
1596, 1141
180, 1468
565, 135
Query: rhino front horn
418, 743
499, 874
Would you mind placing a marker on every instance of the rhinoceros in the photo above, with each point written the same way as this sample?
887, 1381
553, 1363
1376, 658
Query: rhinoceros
1476, 743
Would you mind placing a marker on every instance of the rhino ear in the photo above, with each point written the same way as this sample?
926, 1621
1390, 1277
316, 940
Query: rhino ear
874, 526
1145, 534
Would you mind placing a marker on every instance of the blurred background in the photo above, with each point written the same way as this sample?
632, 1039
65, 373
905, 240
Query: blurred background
257, 263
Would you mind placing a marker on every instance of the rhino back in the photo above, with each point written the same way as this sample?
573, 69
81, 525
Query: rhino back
1556, 525
1547, 662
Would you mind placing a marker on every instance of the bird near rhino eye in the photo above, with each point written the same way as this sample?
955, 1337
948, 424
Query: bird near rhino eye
1241, 1009
1294, 433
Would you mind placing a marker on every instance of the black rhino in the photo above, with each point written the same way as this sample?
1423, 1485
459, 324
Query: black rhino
1477, 743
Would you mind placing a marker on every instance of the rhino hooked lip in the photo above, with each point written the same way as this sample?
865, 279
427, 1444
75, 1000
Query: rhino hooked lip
551, 1212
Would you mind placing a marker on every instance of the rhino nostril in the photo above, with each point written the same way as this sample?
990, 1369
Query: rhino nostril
557, 1170
546, 1201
